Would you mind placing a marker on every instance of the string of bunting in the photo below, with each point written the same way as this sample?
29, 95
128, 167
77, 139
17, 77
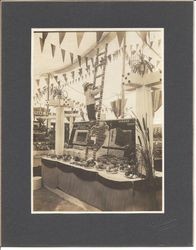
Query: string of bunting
85, 72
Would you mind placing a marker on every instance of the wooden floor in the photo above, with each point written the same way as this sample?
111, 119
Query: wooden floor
46, 200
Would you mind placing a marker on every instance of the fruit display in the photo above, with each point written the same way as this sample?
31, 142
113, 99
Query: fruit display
52, 156
100, 166
90, 163
108, 163
113, 169
67, 157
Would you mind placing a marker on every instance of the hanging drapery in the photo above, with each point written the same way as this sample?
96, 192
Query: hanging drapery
156, 100
157, 63
116, 106
144, 108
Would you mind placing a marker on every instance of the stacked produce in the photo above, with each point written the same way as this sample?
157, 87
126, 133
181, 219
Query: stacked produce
110, 163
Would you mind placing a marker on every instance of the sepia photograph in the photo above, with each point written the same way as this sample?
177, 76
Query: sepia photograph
97, 120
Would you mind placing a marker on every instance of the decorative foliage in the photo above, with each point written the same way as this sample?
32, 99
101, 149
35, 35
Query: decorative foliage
59, 93
142, 65
144, 146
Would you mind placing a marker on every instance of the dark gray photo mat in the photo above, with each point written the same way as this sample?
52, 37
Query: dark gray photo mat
19, 226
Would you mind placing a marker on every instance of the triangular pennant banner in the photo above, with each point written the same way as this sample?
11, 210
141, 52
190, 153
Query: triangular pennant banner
80, 71
61, 36
38, 82
109, 58
86, 60
44, 35
149, 58
79, 37
120, 36
65, 77
71, 57
143, 36
92, 61
99, 35
63, 54
79, 60
53, 47
88, 68
73, 73
56, 78
41, 44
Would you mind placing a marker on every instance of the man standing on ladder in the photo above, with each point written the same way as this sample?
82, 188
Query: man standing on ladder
90, 94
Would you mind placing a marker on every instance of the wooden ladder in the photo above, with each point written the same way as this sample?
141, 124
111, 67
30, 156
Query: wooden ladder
100, 63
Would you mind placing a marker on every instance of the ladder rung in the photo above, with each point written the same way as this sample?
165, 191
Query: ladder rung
99, 75
102, 53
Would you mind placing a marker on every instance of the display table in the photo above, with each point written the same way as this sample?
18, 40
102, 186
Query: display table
105, 191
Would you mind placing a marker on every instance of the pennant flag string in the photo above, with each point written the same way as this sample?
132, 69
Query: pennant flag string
56, 78
61, 36
44, 35
79, 60
99, 35
53, 47
65, 77
86, 60
79, 37
71, 57
92, 61
63, 54
80, 71
73, 73
120, 36
41, 44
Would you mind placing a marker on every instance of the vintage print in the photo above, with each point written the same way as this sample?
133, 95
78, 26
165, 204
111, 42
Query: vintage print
97, 120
